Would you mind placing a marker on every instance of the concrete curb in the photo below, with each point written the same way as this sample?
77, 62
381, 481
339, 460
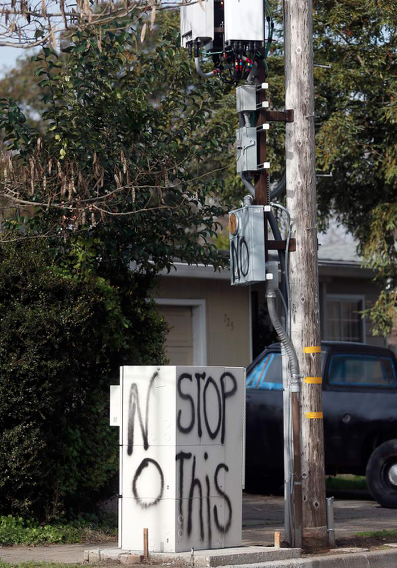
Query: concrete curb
374, 559
266, 558
241, 556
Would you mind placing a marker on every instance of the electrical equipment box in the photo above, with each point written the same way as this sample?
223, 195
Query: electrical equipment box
246, 98
182, 444
247, 245
247, 160
197, 22
244, 20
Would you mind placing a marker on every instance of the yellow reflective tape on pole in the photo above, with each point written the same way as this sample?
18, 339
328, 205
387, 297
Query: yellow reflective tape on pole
313, 380
314, 415
316, 349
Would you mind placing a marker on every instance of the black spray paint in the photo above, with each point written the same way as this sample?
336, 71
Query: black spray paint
212, 433
240, 258
182, 456
221, 398
144, 464
225, 395
195, 483
189, 428
134, 406
222, 528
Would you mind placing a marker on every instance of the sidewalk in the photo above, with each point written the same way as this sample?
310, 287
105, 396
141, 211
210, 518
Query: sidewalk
262, 516
62, 553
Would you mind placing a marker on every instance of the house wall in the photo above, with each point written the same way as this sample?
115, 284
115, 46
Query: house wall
352, 286
333, 282
227, 315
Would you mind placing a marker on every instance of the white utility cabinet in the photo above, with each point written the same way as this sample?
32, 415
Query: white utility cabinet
244, 20
197, 22
181, 456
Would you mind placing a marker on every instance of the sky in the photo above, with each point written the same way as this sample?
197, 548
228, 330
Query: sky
8, 56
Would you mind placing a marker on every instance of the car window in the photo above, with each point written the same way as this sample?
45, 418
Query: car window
361, 370
267, 373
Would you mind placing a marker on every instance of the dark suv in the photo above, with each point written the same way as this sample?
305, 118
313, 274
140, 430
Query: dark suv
360, 417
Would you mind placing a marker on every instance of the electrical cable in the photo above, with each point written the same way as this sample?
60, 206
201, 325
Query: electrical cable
247, 184
279, 189
283, 301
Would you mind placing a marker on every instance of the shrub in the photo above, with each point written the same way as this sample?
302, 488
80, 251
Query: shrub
15, 530
62, 338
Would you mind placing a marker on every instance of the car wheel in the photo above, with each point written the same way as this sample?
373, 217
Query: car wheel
382, 474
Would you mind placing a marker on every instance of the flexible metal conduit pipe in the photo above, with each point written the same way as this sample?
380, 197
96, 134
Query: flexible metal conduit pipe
200, 72
285, 340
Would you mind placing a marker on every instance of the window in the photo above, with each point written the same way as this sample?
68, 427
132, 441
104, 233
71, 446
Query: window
362, 370
267, 374
344, 321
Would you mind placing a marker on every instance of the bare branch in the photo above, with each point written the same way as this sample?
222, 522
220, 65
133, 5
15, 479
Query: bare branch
19, 24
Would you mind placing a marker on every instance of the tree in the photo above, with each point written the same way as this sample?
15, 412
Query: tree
125, 172
356, 138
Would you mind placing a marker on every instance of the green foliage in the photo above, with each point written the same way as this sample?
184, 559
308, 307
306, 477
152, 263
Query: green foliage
381, 255
16, 530
124, 147
63, 337
356, 132
346, 482
382, 534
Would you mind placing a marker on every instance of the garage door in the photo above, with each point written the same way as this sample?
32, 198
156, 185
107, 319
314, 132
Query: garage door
179, 348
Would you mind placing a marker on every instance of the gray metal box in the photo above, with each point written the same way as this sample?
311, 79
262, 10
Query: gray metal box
247, 245
197, 22
246, 98
247, 160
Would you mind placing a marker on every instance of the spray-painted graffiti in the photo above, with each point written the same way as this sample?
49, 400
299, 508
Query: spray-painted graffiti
199, 412
222, 395
240, 258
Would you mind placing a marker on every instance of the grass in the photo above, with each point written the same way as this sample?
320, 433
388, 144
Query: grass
347, 482
379, 534
15, 530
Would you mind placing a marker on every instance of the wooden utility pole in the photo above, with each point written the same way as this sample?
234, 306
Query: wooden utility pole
301, 204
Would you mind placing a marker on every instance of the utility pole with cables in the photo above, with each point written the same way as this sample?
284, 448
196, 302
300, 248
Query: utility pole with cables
305, 313
233, 34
